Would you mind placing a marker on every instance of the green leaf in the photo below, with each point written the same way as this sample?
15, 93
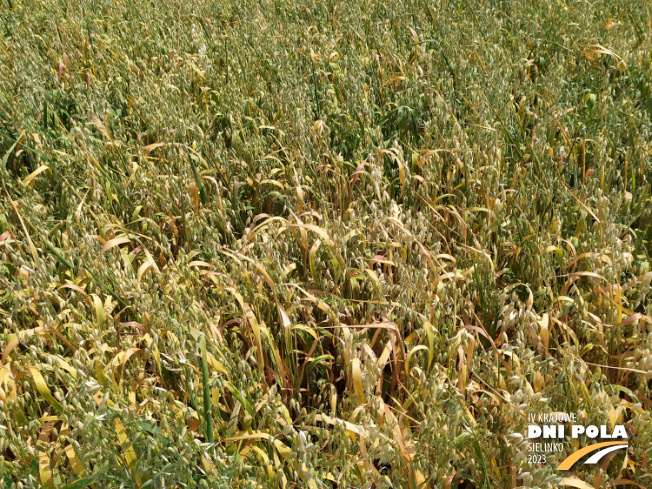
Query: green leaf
81, 483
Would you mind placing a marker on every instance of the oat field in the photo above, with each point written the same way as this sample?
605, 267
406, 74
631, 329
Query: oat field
322, 244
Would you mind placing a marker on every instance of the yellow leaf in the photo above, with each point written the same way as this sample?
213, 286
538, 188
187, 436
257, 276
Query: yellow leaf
45, 470
128, 450
43, 389
216, 365
283, 450
544, 334
100, 125
22, 223
376, 281
66, 366
29, 178
612, 417
11, 344
587, 274
74, 287
122, 357
319, 231
193, 423
143, 268
419, 479
153, 146
265, 275
287, 324
313, 252
575, 482
7, 380
353, 429
627, 482
255, 326
115, 242
357, 380
307, 329
75, 464
100, 313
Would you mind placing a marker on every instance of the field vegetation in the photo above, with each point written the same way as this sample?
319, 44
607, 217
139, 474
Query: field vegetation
322, 244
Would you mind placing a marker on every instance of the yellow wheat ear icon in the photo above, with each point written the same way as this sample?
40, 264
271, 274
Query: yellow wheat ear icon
609, 446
